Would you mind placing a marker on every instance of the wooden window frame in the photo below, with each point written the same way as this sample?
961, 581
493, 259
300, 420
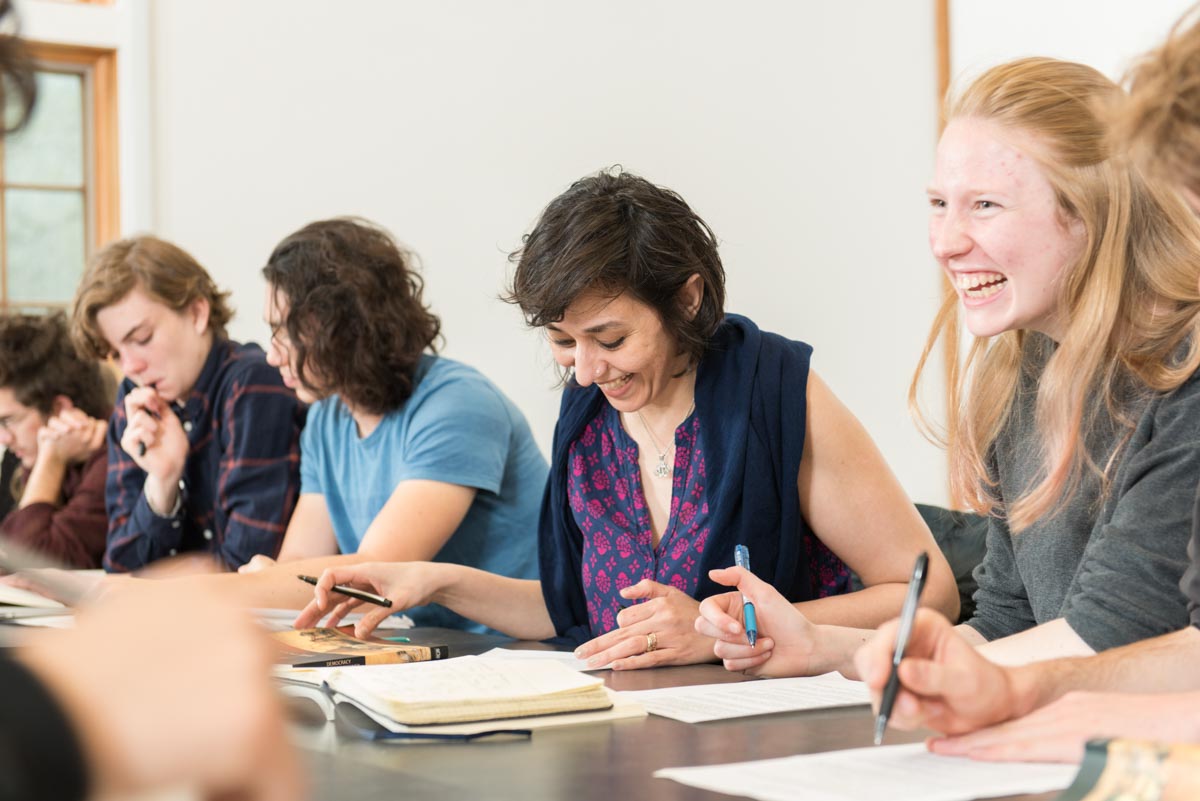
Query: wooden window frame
102, 201
951, 344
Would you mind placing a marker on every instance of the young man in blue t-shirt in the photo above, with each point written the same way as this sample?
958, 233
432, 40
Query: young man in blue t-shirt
406, 455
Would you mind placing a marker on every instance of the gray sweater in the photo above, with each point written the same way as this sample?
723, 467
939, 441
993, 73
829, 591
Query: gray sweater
1191, 578
1111, 566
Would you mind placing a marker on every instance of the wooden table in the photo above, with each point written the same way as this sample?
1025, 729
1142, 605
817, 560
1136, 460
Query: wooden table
599, 762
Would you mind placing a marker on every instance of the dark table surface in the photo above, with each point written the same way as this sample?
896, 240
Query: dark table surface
599, 762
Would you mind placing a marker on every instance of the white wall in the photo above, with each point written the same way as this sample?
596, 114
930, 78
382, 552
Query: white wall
802, 132
1107, 34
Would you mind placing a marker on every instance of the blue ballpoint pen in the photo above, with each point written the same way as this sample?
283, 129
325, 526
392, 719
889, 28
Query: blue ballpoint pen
741, 558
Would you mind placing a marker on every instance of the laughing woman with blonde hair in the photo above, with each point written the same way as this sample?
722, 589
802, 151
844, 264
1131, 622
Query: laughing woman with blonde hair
1073, 420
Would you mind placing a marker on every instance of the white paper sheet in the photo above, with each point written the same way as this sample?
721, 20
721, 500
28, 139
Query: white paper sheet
704, 702
895, 772
565, 658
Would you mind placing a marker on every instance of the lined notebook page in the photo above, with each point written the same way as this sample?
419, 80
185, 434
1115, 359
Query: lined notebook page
463, 679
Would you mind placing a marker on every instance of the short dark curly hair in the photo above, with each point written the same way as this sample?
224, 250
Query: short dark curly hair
355, 316
616, 232
38, 363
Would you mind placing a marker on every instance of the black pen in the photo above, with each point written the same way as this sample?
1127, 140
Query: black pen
141, 448
908, 613
361, 595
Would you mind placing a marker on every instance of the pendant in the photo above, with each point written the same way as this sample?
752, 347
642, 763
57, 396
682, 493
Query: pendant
662, 471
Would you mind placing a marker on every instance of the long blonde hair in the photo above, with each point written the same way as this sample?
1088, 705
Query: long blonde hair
1130, 302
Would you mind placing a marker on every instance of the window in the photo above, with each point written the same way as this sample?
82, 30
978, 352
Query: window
59, 179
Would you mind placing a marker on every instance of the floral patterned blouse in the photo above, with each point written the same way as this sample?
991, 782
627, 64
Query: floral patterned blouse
609, 506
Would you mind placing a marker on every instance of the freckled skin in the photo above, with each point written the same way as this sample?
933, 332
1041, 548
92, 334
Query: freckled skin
993, 210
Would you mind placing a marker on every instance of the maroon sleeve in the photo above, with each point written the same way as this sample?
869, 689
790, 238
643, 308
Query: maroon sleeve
74, 532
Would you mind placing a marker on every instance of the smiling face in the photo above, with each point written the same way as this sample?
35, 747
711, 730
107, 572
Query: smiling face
998, 231
280, 353
155, 345
620, 345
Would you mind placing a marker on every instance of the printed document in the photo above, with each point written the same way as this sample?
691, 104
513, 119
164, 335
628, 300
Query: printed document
704, 702
894, 772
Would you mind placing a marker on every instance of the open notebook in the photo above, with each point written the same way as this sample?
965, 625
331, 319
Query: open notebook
468, 688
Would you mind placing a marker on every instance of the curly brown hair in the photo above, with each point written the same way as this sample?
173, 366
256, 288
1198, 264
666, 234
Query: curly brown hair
616, 232
355, 316
16, 76
38, 363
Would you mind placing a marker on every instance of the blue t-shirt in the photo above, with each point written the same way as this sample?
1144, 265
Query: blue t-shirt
457, 428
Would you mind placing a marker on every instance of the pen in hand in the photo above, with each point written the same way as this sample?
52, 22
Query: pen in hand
141, 446
907, 613
361, 595
741, 558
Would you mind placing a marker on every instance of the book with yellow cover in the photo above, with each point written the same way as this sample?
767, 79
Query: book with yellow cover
468, 688
331, 648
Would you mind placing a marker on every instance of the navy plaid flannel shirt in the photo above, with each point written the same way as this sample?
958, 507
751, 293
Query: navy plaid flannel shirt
242, 476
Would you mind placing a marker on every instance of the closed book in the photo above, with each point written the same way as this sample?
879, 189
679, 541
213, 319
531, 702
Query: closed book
309, 648
468, 688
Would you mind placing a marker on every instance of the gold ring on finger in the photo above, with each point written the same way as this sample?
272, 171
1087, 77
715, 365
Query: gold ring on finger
651, 642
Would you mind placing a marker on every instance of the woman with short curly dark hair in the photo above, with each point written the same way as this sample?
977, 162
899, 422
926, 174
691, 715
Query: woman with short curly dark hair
54, 409
406, 455
683, 431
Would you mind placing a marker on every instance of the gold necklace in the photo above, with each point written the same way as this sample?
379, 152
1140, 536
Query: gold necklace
662, 470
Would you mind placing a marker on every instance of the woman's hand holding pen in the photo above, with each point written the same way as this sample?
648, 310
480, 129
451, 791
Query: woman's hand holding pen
946, 685
787, 641
668, 615
154, 438
405, 584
